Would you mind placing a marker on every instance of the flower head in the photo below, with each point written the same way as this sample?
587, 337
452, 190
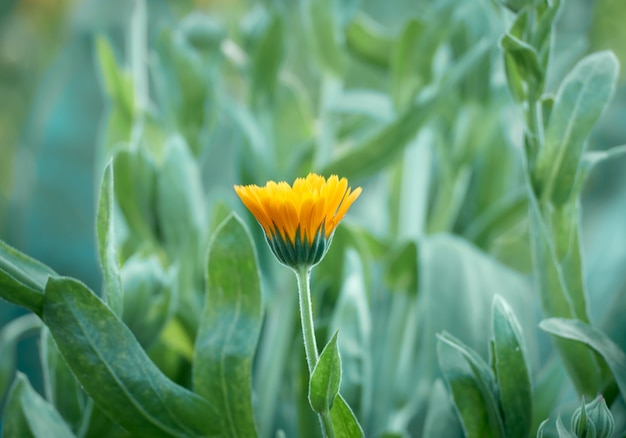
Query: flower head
299, 220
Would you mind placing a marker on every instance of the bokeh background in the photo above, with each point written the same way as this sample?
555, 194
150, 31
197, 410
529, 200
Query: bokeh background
55, 121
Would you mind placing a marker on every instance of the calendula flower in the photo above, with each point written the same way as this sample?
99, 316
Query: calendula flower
299, 220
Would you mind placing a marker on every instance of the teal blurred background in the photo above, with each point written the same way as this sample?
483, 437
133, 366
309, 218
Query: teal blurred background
52, 112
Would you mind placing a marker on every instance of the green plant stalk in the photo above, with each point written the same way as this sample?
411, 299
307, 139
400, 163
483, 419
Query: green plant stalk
303, 274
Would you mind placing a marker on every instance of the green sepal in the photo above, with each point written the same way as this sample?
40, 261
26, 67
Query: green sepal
300, 253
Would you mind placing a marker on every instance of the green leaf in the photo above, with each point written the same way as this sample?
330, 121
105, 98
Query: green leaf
557, 301
579, 331
580, 100
387, 144
117, 82
525, 58
10, 335
22, 279
510, 365
344, 421
562, 430
369, 40
106, 243
441, 419
27, 414
229, 328
135, 181
61, 387
473, 388
150, 297
108, 361
326, 377
180, 199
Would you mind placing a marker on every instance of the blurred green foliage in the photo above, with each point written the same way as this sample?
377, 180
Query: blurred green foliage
478, 130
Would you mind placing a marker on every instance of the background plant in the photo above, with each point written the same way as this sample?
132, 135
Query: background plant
474, 129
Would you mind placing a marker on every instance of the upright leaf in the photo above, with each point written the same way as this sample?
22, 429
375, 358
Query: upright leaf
27, 414
106, 243
580, 100
229, 328
473, 387
344, 422
556, 300
108, 361
326, 377
180, 199
510, 365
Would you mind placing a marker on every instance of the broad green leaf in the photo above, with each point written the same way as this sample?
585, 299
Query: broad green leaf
454, 271
326, 377
10, 335
229, 328
22, 279
150, 297
577, 330
135, 181
106, 243
580, 100
61, 387
344, 422
511, 369
180, 198
556, 300
473, 388
110, 364
27, 414
368, 40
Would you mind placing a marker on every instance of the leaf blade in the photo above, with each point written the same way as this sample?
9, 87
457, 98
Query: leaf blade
326, 377
108, 361
229, 327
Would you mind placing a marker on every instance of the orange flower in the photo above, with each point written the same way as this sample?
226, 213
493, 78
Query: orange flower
299, 220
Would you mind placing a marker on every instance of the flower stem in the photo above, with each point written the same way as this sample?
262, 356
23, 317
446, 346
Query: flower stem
303, 274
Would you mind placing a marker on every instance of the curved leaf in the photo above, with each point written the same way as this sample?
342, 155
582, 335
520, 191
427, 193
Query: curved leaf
108, 361
511, 369
229, 328
28, 414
